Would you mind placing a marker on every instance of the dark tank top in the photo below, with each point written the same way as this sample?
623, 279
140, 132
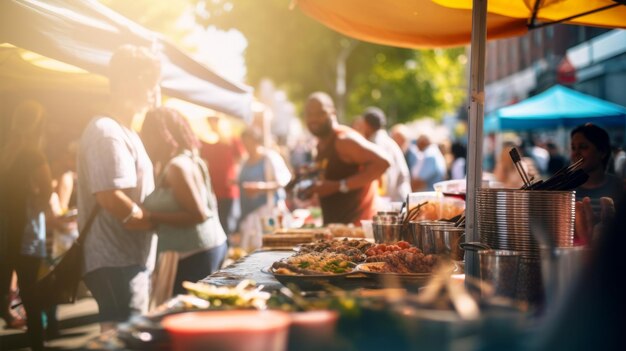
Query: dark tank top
352, 206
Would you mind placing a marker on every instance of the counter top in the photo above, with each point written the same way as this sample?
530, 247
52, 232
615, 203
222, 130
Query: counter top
251, 267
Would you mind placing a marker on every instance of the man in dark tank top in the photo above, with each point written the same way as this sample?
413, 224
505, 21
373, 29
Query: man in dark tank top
347, 186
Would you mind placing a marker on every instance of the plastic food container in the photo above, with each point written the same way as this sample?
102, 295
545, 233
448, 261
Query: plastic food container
368, 230
453, 188
435, 206
240, 330
456, 187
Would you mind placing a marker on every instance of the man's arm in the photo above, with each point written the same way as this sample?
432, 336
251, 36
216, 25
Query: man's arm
122, 207
355, 149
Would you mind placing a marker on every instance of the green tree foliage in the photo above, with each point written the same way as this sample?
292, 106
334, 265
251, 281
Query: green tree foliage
412, 84
300, 55
291, 49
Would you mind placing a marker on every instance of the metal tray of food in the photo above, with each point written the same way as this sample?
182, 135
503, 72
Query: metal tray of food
318, 282
390, 279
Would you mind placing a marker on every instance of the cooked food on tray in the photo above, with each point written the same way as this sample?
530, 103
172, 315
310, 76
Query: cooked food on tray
401, 258
245, 294
334, 256
314, 263
353, 248
379, 249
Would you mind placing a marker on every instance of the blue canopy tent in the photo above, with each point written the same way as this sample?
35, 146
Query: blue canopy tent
84, 33
555, 108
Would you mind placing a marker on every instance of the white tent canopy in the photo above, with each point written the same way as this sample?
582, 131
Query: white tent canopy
85, 33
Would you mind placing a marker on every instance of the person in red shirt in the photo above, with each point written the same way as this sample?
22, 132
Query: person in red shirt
223, 154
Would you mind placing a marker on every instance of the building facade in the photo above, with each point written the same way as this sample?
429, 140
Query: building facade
588, 59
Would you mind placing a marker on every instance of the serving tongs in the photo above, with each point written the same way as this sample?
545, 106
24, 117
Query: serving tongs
411, 215
567, 178
458, 220
517, 161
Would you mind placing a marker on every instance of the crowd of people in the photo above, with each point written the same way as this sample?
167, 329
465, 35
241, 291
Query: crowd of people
163, 191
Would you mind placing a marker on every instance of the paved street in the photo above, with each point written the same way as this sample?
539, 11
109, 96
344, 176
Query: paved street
77, 325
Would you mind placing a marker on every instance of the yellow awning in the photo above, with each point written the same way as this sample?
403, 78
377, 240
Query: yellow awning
23, 70
609, 13
409, 24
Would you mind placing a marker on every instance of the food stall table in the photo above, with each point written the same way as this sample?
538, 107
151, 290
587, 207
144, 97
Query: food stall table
251, 267
368, 319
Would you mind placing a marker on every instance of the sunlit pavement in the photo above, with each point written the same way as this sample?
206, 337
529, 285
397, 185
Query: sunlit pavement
77, 324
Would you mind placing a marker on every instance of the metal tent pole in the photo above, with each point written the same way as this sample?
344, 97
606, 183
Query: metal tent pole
476, 116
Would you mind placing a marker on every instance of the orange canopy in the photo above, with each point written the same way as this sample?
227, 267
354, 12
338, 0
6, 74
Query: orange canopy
409, 24
602, 13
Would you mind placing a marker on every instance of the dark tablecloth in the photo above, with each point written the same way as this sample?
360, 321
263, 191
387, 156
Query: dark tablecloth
253, 266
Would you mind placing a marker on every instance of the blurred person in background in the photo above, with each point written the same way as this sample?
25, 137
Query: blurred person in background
431, 167
358, 124
396, 181
557, 160
601, 190
62, 218
182, 206
61, 225
26, 186
262, 179
505, 171
457, 169
619, 162
540, 155
115, 175
301, 151
347, 190
400, 134
592, 144
223, 154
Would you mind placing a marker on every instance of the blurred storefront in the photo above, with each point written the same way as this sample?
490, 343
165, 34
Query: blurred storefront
590, 60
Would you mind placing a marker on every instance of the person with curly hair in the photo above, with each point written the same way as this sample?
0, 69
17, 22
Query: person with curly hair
183, 206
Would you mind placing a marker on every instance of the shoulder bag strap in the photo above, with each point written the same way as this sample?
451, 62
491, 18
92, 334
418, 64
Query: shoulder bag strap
206, 176
82, 235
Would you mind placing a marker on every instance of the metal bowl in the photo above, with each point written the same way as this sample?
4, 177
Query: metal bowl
387, 233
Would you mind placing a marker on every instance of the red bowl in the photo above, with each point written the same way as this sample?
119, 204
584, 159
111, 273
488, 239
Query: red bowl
228, 330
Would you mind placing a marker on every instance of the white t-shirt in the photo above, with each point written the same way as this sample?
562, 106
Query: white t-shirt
398, 182
112, 157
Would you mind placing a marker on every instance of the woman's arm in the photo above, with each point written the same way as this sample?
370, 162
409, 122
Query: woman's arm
186, 183
64, 189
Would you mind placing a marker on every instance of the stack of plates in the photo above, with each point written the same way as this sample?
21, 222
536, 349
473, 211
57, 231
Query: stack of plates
506, 218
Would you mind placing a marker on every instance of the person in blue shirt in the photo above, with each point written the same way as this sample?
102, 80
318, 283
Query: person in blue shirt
431, 167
